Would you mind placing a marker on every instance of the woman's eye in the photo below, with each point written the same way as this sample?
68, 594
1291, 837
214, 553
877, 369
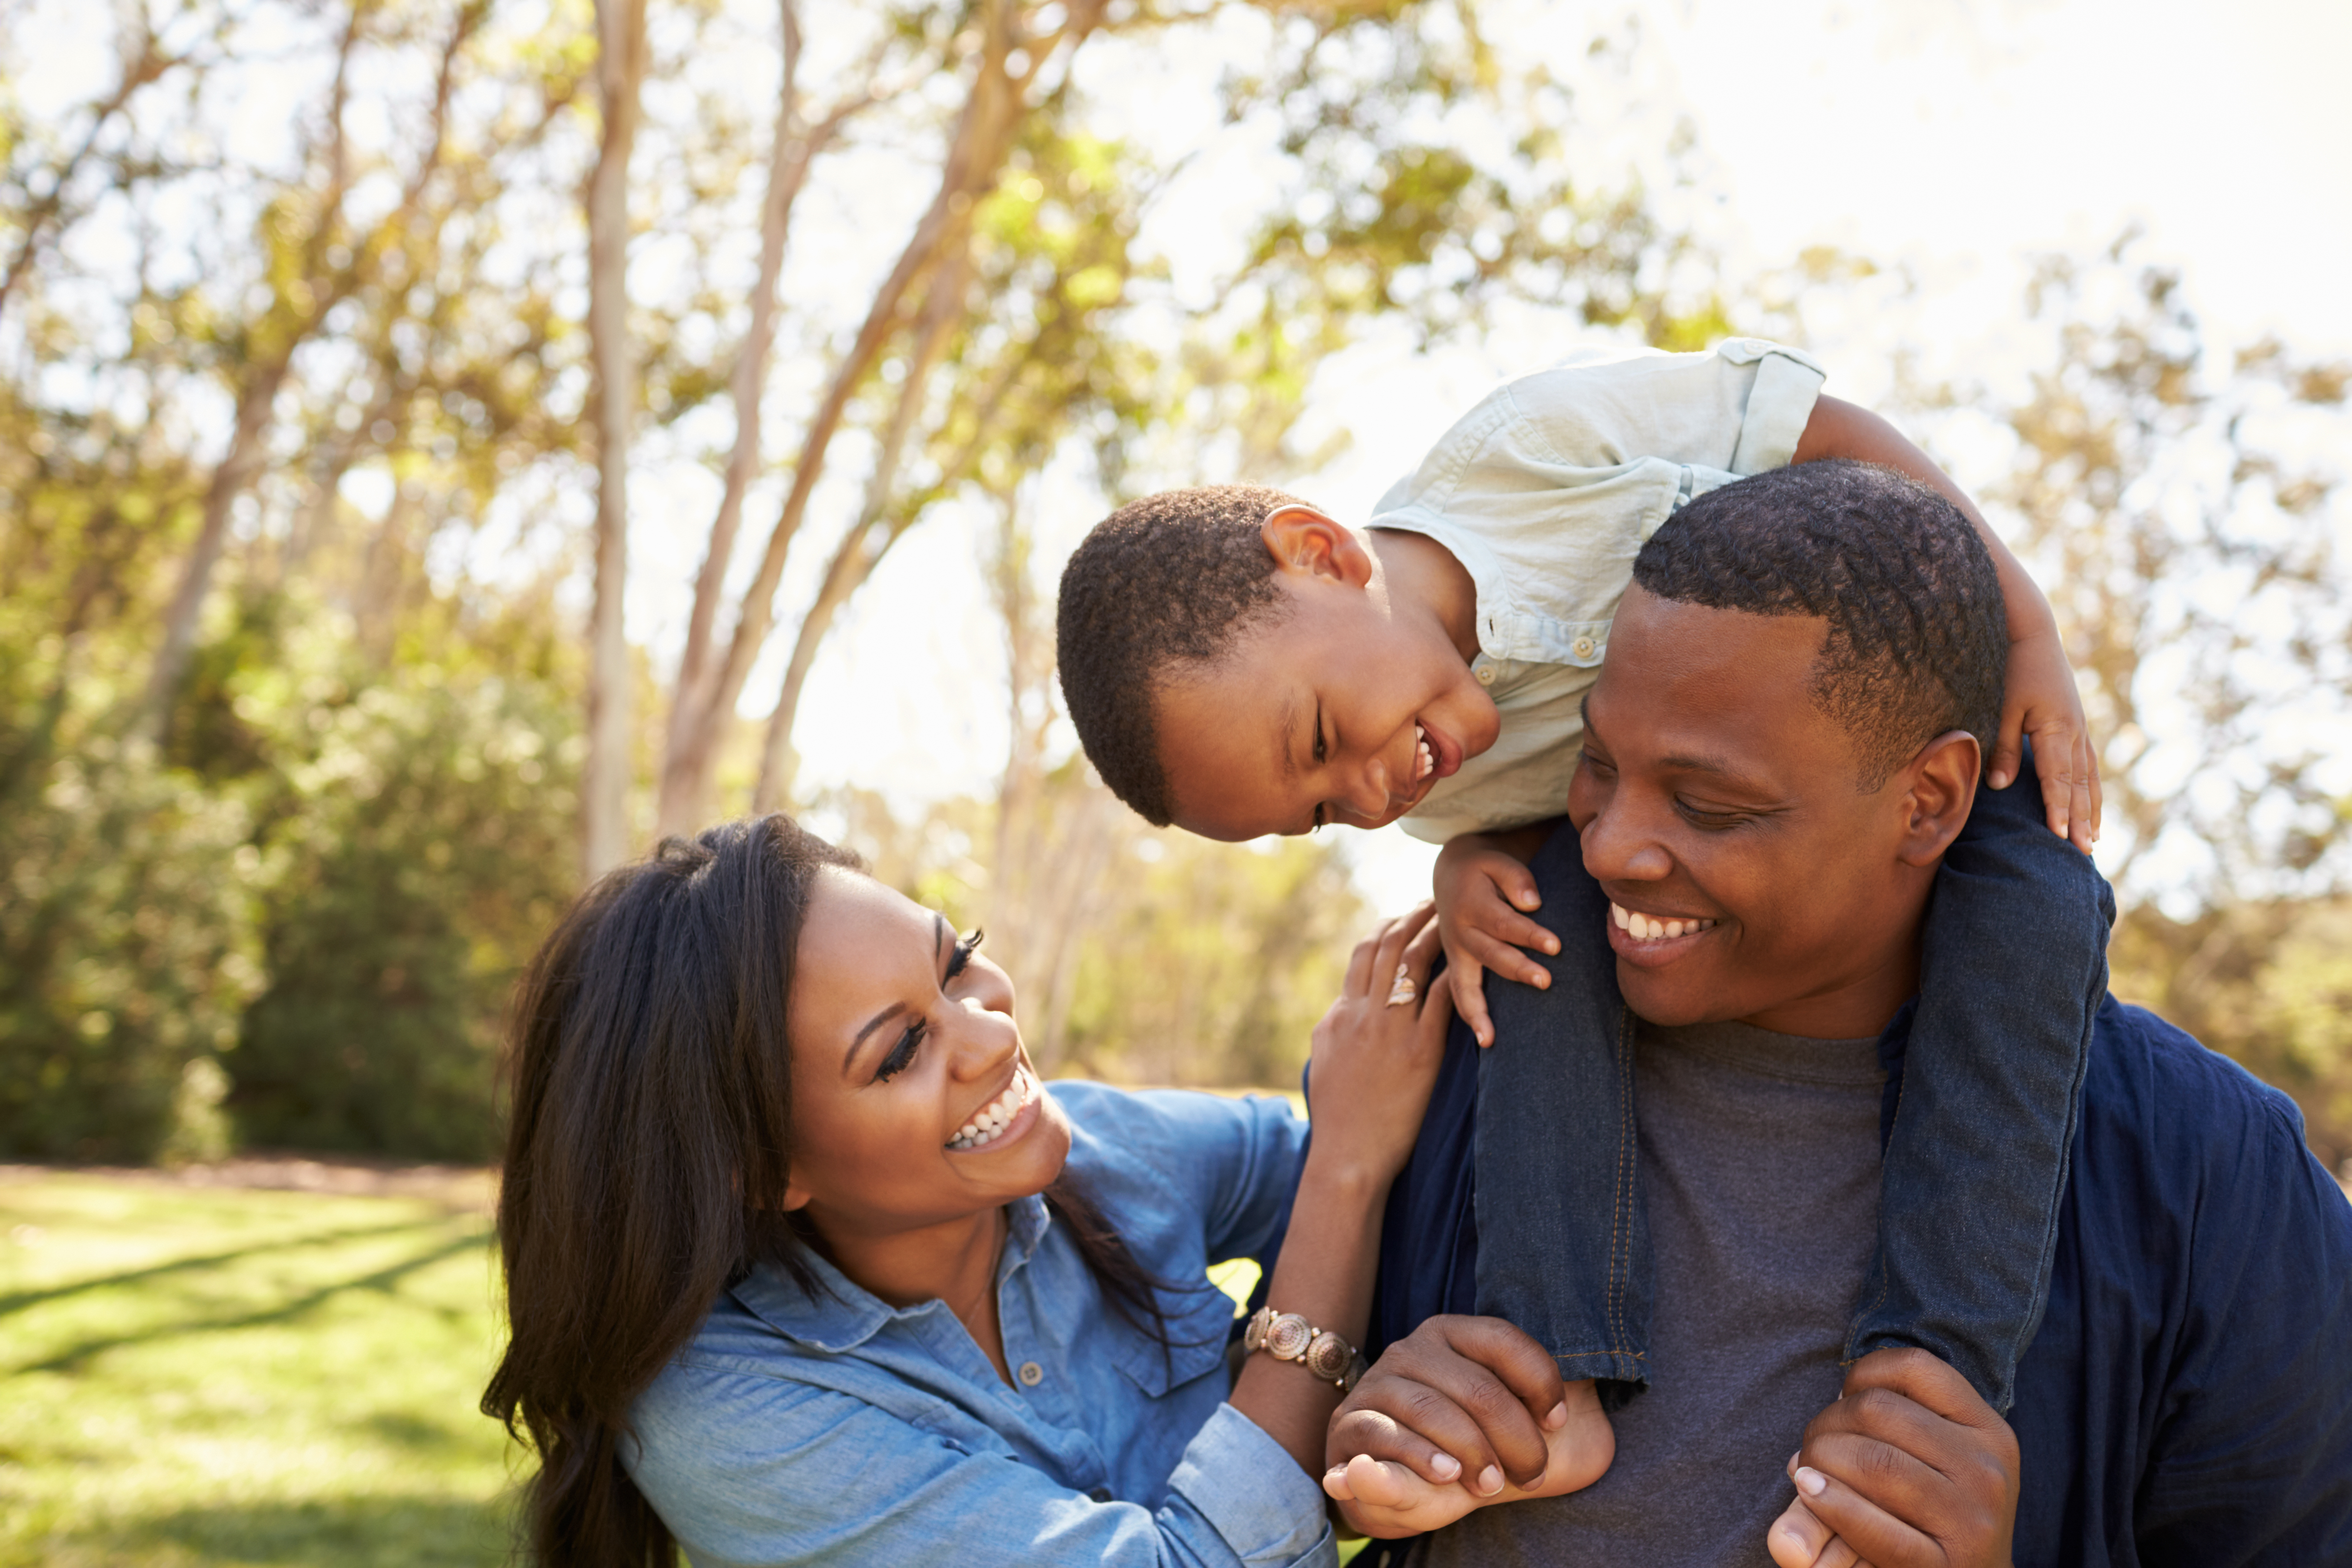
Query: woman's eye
902, 1055
960, 956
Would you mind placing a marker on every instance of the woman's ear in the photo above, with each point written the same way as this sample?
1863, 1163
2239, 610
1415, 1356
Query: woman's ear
796, 1197
1941, 790
1304, 541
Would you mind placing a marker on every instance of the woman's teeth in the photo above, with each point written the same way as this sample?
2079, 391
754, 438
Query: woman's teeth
992, 1118
1424, 760
1643, 928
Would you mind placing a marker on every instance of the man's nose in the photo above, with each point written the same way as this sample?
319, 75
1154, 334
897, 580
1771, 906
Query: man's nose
1620, 845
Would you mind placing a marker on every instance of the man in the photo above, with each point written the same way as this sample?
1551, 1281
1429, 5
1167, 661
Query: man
1775, 765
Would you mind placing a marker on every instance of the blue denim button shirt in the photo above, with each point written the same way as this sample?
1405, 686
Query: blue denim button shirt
841, 1430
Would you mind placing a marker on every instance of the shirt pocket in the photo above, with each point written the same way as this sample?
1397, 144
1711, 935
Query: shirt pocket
1199, 1325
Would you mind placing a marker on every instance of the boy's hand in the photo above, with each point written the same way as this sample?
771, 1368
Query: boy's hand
1461, 1413
1910, 1468
2041, 700
1484, 896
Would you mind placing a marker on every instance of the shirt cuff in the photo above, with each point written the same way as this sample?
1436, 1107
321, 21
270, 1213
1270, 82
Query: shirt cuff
1780, 404
1253, 1494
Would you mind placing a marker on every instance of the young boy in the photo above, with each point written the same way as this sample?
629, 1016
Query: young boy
1238, 663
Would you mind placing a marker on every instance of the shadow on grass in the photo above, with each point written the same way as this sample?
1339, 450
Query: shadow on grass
21, 1300
350, 1532
380, 1281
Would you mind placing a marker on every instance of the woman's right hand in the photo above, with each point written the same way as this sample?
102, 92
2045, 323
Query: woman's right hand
1374, 1061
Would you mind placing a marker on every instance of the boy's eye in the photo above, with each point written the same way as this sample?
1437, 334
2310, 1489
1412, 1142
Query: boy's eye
1322, 747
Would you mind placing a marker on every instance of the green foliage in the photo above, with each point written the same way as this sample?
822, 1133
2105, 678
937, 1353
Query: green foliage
217, 1376
2269, 984
426, 848
127, 951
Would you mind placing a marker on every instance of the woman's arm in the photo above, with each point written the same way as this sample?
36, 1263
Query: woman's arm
1372, 1066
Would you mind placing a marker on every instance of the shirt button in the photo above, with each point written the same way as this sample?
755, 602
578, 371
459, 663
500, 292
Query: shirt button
1582, 647
1100, 1494
1032, 1373
1485, 675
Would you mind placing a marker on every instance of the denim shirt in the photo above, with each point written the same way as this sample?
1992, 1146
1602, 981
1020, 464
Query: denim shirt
841, 1430
2187, 1401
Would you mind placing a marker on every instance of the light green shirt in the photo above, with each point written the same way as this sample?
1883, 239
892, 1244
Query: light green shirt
1545, 493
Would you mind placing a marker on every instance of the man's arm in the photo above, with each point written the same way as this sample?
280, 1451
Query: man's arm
2041, 700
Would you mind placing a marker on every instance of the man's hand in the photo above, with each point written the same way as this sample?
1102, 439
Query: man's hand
1484, 893
1464, 1412
1910, 1468
2041, 700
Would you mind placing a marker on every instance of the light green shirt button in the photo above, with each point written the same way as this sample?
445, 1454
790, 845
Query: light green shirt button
1485, 675
1583, 648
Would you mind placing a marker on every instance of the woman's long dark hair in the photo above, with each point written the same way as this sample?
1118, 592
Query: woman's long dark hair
647, 1159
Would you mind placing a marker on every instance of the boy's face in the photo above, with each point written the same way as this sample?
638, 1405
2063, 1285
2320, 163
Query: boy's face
1715, 794
1346, 708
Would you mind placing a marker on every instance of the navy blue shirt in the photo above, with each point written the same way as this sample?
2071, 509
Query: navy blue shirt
2188, 1399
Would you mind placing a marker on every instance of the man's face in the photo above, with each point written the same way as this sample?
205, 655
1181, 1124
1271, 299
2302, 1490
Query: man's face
1337, 711
1719, 808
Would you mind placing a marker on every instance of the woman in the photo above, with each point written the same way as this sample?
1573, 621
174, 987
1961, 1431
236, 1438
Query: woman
803, 1265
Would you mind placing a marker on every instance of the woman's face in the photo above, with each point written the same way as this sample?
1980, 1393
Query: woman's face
913, 1102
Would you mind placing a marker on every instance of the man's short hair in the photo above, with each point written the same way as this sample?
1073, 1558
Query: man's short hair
1918, 641
1169, 580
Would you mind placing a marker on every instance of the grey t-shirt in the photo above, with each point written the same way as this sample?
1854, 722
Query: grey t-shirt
1760, 1171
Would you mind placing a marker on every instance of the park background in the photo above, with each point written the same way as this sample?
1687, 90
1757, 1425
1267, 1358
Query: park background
376, 377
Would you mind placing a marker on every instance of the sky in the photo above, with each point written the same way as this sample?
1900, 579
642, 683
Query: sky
1957, 137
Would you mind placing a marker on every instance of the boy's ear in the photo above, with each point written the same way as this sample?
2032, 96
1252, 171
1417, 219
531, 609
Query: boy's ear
1304, 541
1940, 789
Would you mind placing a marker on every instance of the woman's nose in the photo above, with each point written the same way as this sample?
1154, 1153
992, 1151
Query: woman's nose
984, 1039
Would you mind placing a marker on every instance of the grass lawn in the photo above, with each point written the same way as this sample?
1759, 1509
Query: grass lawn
220, 1376
224, 1376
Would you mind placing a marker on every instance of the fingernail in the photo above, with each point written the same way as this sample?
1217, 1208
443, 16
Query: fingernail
1551, 944
1557, 1418
1333, 1477
1810, 1481
1999, 781
1447, 1467
1791, 1465
1490, 1481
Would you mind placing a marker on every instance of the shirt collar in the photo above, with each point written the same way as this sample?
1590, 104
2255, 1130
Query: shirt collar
840, 1316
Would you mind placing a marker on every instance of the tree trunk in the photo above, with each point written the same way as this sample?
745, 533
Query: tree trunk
788, 165
237, 468
856, 558
604, 779
975, 158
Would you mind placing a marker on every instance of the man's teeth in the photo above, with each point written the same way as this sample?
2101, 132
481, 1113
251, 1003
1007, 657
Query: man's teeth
1424, 760
1643, 928
991, 1117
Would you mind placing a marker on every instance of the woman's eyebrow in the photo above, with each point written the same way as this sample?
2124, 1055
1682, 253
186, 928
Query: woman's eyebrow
939, 930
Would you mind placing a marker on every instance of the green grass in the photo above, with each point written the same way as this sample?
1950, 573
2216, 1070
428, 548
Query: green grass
233, 1377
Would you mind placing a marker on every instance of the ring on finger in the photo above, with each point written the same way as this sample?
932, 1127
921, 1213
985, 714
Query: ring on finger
1404, 991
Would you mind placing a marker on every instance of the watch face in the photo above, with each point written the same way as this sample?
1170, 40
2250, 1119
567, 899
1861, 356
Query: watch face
1288, 1338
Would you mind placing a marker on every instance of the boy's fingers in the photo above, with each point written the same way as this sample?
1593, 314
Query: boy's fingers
1468, 979
2007, 750
1506, 960
1517, 884
1504, 923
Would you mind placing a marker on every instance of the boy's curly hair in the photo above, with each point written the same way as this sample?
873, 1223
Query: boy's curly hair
1918, 641
1171, 579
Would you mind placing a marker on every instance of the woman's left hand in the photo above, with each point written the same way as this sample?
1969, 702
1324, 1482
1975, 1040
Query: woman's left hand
1376, 1050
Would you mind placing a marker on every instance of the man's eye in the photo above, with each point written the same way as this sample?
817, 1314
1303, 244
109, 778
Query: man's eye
1699, 816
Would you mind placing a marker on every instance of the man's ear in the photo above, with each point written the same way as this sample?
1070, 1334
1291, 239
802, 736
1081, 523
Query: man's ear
1940, 789
1302, 540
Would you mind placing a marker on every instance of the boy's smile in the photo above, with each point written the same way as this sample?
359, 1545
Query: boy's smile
1347, 707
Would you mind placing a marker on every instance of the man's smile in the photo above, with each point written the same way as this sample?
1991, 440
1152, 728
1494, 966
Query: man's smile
1655, 940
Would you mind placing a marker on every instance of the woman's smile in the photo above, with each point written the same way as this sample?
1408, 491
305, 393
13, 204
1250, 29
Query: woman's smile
1002, 1119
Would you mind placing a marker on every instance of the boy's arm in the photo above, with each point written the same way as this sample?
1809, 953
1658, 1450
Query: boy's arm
1483, 893
2041, 700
